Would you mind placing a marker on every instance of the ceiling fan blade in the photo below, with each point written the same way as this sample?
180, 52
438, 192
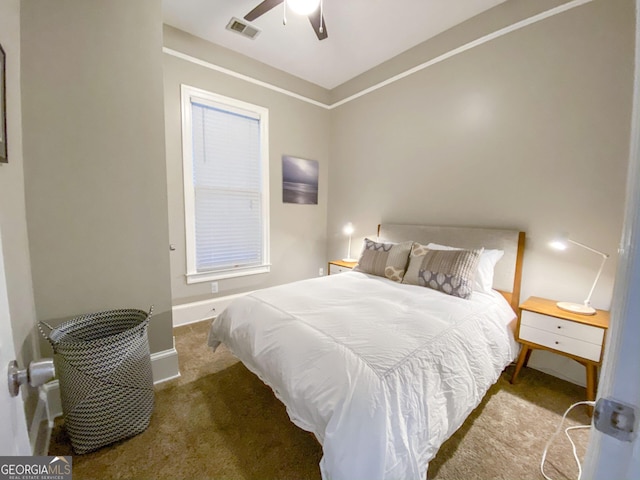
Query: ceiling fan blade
261, 9
314, 18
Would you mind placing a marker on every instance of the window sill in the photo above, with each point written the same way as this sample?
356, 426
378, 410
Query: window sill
210, 276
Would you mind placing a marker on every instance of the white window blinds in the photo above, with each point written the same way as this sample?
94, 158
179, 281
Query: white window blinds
229, 224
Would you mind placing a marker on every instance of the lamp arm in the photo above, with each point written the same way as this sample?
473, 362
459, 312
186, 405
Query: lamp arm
604, 259
349, 250
588, 248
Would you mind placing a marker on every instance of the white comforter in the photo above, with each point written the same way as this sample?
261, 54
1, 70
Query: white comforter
381, 373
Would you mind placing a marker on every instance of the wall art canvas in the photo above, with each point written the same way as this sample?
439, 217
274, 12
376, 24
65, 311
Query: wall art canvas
299, 180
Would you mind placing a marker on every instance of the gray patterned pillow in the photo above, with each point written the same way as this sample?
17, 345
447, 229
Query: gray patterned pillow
449, 271
384, 259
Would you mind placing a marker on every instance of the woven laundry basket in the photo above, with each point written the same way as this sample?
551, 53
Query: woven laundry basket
104, 367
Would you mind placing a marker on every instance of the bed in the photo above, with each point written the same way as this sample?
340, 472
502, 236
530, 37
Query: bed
381, 372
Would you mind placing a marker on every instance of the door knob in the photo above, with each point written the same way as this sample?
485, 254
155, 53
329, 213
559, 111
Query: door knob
38, 373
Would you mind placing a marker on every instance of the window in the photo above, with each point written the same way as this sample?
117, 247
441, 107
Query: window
226, 186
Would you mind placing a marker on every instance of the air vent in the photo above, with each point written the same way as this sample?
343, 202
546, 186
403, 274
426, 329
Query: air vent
243, 28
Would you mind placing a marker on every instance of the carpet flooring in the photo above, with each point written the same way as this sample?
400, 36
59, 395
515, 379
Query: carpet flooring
219, 421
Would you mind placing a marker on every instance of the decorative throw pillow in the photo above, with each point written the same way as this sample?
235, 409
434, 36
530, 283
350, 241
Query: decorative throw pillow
484, 275
448, 271
384, 259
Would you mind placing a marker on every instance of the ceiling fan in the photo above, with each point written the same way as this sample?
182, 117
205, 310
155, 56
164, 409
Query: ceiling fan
311, 8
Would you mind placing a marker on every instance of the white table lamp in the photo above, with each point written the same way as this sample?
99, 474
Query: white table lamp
579, 308
348, 230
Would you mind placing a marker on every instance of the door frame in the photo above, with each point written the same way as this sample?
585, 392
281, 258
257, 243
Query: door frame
15, 441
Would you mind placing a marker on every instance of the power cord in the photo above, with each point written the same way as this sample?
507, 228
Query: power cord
566, 432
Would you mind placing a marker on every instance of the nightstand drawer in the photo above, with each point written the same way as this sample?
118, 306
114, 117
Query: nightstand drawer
565, 328
333, 269
562, 343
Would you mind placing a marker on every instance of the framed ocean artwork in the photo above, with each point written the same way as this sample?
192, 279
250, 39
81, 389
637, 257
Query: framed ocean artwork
299, 180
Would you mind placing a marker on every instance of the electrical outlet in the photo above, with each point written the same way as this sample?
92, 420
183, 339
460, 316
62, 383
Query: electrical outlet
615, 418
214, 287
321, 272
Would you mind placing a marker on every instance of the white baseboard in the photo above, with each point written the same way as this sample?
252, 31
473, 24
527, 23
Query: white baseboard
561, 375
40, 430
198, 311
50, 395
164, 367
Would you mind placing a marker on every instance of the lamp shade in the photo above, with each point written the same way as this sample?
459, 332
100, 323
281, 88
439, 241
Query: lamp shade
558, 245
348, 229
560, 242
303, 7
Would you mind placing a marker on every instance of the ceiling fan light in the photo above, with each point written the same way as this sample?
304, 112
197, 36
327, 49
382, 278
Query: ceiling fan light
303, 7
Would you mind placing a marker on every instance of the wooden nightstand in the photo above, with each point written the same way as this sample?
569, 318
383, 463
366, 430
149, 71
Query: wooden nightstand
544, 326
340, 266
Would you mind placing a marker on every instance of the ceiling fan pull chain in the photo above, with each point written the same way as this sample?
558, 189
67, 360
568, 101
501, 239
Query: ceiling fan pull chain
284, 13
321, 15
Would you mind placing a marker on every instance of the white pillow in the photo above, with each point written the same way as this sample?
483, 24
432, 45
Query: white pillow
484, 275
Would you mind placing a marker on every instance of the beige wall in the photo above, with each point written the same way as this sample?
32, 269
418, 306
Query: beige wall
95, 171
298, 128
13, 223
529, 131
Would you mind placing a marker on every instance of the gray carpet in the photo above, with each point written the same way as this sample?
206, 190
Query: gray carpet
219, 421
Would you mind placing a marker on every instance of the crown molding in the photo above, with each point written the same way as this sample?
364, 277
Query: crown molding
440, 58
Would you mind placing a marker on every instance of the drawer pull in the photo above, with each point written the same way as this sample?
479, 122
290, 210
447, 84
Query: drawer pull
559, 327
557, 343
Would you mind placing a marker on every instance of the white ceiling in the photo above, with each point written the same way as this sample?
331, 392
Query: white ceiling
362, 33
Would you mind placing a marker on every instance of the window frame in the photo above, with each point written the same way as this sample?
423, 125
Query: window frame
234, 106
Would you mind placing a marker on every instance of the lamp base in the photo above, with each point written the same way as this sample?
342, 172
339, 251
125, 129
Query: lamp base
579, 308
350, 260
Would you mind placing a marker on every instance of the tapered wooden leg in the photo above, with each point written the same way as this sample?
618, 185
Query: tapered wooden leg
527, 357
522, 359
592, 382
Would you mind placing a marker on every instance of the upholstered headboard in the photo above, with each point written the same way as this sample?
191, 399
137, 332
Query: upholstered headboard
508, 271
